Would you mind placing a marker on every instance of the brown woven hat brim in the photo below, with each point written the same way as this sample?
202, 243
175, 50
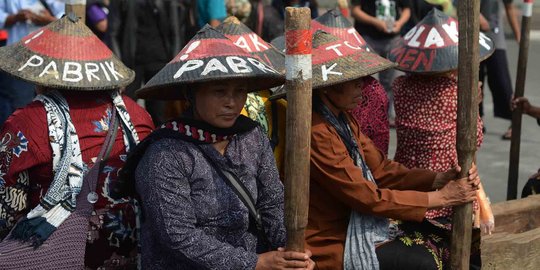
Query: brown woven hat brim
62, 74
432, 46
174, 91
349, 68
278, 92
163, 86
430, 61
65, 55
273, 58
279, 43
336, 61
209, 57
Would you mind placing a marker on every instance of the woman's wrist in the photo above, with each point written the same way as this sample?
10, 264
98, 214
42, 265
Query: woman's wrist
435, 199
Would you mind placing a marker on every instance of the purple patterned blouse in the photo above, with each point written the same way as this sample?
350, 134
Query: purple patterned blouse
192, 219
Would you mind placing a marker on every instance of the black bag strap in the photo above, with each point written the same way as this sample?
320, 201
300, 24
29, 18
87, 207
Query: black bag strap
232, 180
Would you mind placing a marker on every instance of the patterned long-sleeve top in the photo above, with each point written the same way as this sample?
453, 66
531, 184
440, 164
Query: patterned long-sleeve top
192, 219
26, 171
372, 114
426, 121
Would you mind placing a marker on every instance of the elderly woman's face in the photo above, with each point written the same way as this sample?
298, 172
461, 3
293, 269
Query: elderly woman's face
220, 103
346, 96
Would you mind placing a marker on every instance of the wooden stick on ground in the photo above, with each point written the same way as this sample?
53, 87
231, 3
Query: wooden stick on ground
78, 7
513, 172
468, 17
297, 150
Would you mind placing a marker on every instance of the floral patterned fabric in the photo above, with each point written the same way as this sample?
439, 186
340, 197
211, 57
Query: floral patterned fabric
426, 235
256, 110
26, 173
426, 122
271, 115
372, 113
435, 240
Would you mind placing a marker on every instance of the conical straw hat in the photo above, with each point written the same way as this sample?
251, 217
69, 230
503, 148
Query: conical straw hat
336, 24
65, 54
209, 56
244, 38
336, 61
432, 45
279, 43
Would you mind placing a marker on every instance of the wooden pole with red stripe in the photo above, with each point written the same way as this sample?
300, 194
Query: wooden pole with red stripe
297, 150
467, 115
78, 7
513, 171
344, 7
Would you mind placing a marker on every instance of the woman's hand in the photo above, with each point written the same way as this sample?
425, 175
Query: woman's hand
455, 192
282, 259
459, 192
443, 178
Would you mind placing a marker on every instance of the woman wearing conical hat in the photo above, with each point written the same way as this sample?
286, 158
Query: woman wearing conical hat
372, 111
267, 107
208, 182
47, 147
426, 105
354, 189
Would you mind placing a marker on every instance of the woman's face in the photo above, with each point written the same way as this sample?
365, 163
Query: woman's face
220, 103
346, 96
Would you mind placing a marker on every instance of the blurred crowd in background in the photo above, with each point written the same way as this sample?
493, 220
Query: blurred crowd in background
146, 34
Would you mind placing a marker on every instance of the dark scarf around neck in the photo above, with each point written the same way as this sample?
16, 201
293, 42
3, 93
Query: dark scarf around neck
200, 132
185, 129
